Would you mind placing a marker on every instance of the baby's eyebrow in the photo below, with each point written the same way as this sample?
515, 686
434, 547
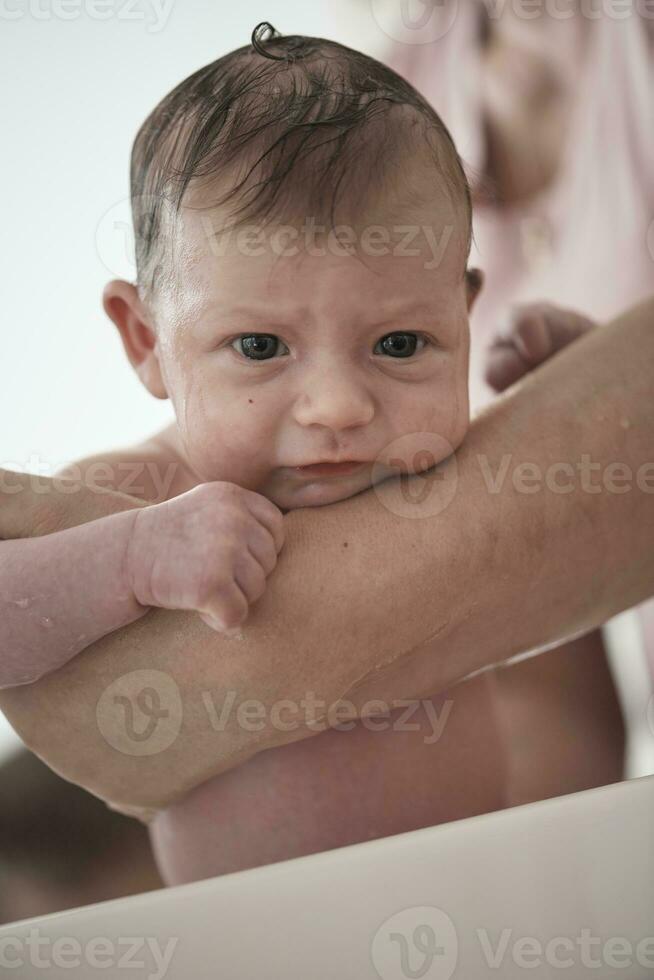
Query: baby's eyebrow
303, 314
405, 310
248, 312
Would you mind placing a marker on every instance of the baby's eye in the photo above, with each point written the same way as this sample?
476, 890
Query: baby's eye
399, 344
258, 346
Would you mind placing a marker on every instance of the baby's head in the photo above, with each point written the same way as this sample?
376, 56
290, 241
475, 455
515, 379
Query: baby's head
302, 227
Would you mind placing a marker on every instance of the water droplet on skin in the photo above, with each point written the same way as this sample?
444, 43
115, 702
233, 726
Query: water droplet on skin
46, 622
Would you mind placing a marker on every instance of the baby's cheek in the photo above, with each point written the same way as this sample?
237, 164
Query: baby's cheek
231, 447
449, 409
460, 421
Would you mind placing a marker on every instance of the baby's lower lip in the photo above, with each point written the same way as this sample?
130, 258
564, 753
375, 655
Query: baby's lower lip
328, 469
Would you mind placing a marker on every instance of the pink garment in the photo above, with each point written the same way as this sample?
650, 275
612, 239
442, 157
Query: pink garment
588, 241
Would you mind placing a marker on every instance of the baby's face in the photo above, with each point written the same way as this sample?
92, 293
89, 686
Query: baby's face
277, 362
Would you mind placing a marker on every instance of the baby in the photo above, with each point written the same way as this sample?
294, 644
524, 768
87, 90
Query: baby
302, 225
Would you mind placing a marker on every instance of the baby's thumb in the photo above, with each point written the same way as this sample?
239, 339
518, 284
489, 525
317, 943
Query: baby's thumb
219, 626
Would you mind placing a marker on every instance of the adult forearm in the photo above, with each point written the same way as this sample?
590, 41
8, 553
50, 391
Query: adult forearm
373, 597
551, 531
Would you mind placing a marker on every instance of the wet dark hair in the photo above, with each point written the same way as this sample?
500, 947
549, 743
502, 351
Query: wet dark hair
291, 125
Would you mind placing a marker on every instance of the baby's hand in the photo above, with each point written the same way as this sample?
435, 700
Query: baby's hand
535, 332
210, 550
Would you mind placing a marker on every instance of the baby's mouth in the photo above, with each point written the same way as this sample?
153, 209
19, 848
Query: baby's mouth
329, 469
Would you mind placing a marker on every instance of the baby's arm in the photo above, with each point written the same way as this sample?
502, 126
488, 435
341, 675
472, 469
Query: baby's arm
61, 593
534, 333
208, 550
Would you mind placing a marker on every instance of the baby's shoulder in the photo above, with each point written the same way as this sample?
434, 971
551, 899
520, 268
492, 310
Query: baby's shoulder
151, 470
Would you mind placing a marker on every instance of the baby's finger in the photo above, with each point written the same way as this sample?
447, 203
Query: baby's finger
250, 577
262, 546
533, 338
504, 366
228, 610
566, 326
268, 514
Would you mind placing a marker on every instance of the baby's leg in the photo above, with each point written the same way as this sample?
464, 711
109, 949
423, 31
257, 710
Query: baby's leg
535, 332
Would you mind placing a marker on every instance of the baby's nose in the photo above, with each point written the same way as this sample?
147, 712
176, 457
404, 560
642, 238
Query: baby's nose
335, 403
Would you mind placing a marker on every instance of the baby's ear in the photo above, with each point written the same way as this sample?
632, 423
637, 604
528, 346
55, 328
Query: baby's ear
474, 283
123, 305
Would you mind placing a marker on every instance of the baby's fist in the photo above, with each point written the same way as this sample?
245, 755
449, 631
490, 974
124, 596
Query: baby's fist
210, 550
534, 333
